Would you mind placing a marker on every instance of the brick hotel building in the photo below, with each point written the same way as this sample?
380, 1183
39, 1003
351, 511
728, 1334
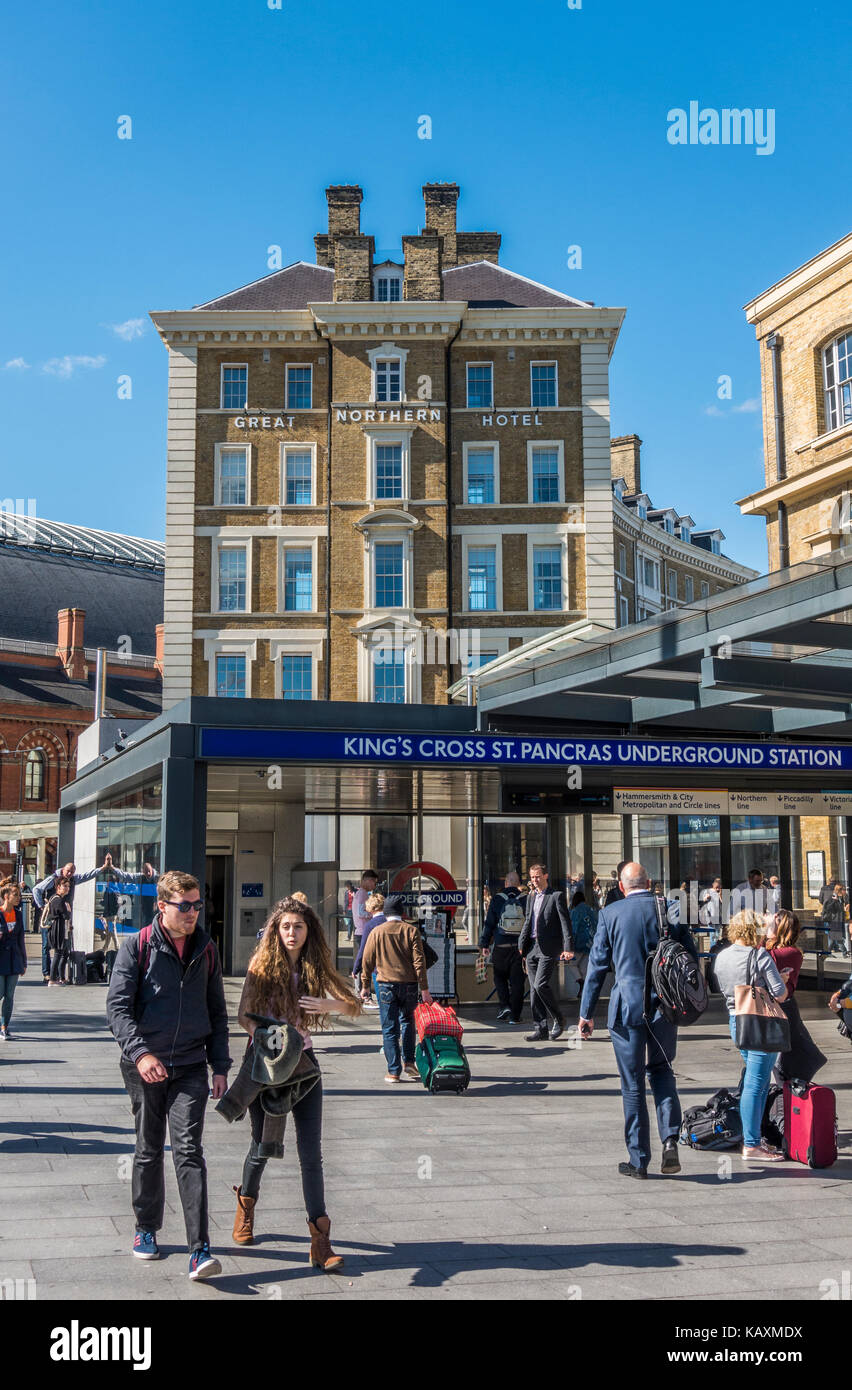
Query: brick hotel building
365, 457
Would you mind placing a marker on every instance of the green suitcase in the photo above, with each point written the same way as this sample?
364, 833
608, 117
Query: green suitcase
442, 1064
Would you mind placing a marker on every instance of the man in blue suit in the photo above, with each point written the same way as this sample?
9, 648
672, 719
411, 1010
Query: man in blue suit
628, 932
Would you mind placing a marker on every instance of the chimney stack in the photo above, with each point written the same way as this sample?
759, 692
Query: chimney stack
440, 201
344, 219
160, 637
69, 643
624, 455
422, 276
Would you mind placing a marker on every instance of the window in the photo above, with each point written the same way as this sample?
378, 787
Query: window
234, 386
480, 387
716, 546
480, 476
389, 676
298, 477
388, 288
482, 579
547, 577
641, 511
688, 588
705, 589
685, 534
389, 574
479, 659
622, 558
623, 611
543, 385
232, 573
388, 470
299, 387
298, 581
668, 525
296, 678
388, 379
231, 677
34, 776
545, 474
651, 574
671, 583
231, 476
837, 370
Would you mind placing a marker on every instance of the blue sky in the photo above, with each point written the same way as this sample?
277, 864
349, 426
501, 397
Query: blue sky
554, 122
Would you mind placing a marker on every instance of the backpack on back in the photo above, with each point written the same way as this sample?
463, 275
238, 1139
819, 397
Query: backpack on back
512, 917
145, 953
675, 977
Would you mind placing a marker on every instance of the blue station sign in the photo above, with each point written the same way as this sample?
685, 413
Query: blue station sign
490, 750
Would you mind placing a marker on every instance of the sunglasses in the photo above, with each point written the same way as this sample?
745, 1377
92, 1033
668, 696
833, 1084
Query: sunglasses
187, 907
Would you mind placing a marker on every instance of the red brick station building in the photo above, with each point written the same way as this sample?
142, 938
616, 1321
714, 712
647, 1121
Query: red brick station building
66, 591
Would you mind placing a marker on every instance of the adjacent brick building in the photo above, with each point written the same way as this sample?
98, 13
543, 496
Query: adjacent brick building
67, 590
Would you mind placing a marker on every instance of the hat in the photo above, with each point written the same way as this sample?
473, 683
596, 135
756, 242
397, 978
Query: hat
394, 905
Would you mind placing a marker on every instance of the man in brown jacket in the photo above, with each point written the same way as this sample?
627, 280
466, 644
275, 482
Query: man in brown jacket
394, 950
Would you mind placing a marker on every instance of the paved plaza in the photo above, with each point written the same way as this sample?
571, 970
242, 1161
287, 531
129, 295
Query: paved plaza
510, 1192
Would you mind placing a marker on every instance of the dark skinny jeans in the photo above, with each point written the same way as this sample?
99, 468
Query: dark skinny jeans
307, 1117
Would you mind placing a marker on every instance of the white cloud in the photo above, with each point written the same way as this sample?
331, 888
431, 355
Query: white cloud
713, 410
748, 407
130, 329
16, 364
67, 365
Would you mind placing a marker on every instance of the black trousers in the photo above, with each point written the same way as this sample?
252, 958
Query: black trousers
509, 978
307, 1117
179, 1102
543, 1003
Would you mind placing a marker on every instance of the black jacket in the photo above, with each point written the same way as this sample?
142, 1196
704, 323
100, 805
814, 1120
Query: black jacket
176, 1012
554, 925
492, 928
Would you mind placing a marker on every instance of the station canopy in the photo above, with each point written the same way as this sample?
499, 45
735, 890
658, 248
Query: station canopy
772, 658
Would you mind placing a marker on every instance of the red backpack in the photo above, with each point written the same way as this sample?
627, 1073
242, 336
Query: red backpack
145, 952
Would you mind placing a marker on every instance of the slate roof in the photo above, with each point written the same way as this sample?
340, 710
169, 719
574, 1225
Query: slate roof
52, 691
483, 285
294, 287
118, 600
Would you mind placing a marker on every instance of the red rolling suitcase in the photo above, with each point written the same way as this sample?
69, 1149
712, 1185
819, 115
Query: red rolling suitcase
810, 1124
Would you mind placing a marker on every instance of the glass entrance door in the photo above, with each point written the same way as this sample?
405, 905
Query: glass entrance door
511, 844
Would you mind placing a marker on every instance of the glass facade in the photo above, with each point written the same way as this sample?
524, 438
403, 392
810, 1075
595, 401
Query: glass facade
130, 829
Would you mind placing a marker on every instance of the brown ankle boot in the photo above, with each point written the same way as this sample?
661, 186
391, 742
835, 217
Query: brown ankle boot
322, 1255
244, 1219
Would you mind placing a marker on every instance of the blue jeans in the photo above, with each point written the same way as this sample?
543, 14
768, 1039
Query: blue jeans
45, 951
8, 985
755, 1089
639, 1055
397, 1003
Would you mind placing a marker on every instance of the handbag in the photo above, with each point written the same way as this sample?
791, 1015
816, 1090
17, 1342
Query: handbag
480, 970
761, 1023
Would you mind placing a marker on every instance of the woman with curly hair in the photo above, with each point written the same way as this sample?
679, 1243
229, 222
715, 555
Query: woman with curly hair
291, 978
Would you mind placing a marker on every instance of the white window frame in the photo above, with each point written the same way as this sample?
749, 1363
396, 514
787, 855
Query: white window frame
688, 588
478, 363
217, 473
488, 541
222, 365
297, 409
705, 588
671, 575
308, 643
291, 542
545, 362
388, 434
291, 447
544, 542
217, 645
559, 446
494, 446
642, 511
223, 542
832, 397
390, 274
369, 640
653, 588
387, 352
623, 611
621, 567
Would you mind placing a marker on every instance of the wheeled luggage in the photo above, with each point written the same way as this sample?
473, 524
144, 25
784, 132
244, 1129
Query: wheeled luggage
77, 967
716, 1125
772, 1124
436, 1020
442, 1064
810, 1124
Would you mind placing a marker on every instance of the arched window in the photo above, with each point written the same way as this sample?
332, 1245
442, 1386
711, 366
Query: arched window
34, 776
837, 372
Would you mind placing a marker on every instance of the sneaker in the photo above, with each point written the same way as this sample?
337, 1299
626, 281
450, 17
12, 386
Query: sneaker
504, 1013
411, 1071
392, 1080
203, 1265
145, 1246
627, 1170
4, 1033
371, 1008
760, 1155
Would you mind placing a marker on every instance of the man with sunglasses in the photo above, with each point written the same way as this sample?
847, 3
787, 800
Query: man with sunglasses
166, 1008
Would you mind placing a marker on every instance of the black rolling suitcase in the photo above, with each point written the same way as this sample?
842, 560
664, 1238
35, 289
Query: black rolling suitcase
76, 966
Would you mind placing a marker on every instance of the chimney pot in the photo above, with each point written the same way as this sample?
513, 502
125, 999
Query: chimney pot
69, 642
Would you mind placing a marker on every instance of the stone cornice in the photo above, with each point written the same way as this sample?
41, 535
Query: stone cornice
677, 551
800, 280
813, 480
222, 326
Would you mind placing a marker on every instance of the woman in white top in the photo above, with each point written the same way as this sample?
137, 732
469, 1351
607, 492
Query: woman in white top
746, 933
